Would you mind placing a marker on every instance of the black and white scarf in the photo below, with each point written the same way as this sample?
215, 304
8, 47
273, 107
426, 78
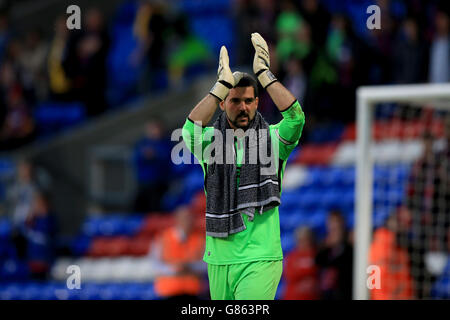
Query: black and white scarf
259, 188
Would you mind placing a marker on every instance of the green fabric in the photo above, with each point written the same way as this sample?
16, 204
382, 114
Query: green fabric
290, 47
334, 44
245, 281
323, 72
192, 51
261, 238
288, 22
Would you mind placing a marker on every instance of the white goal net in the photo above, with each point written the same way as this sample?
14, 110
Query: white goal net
402, 210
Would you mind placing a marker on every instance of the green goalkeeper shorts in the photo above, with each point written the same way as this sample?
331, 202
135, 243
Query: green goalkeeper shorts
256, 280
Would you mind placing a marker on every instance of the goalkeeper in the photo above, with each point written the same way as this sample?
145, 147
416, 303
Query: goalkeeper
243, 246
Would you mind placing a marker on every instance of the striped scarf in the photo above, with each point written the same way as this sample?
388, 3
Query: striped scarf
258, 189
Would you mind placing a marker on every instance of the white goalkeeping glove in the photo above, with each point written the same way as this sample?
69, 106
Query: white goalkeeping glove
225, 79
261, 61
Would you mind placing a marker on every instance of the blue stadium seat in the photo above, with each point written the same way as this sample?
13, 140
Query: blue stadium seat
331, 198
310, 198
204, 8
11, 291
132, 291
317, 222
287, 242
5, 229
53, 117
33, 291
122, 75
380, 215
441, 288
326, 133
7, 169
111, 291
132, 224
289, 201
148, 292
13, 270
90, 291
219, 31
80, 245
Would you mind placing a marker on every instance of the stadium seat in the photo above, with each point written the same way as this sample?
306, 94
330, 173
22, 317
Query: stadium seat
287, 242
294, 177
326, 133
52, 117
138, 246
155, 223
316, 154
11, 291
13, 270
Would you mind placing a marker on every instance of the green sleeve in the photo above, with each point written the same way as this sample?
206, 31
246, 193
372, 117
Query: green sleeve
193, 138
289, 129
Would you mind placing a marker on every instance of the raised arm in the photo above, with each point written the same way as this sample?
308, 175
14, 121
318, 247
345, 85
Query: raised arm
281, 96
205, 109
289, 129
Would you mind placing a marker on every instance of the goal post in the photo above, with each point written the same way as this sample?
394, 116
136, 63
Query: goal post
367, 99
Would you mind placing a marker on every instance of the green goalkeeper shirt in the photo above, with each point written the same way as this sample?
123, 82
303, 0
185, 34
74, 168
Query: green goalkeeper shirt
261, 238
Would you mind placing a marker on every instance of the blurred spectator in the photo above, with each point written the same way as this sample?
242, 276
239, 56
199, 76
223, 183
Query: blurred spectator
421, 185
441, 288
40, 235
59, 83
20, 199
251, 16
317, 17
86, 62
441, 194
18, 126
152, 163
151, 28
295, 79
439, 70
300, 270
4, 34
335, 261
393, 260
32, 61
189, 54
381, 43
409, 50
294, 34
343, 48
182, 248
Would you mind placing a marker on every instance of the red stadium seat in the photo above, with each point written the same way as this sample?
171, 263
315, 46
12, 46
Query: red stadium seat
316, 154
398, 129
155, 223
138, 246
99, 247
108, 247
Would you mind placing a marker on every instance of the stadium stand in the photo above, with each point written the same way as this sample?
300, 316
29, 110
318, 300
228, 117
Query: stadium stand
114, 248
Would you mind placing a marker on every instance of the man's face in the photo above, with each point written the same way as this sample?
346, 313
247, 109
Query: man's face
240, 107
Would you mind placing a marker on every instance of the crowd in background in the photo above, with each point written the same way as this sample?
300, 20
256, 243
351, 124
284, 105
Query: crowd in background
321, 50
320, 268
34, 226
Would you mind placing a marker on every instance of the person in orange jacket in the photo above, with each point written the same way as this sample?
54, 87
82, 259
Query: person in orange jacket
181, 247
300, 270
393, 260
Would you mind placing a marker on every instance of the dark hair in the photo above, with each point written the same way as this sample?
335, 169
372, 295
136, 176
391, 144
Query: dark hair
248, 81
